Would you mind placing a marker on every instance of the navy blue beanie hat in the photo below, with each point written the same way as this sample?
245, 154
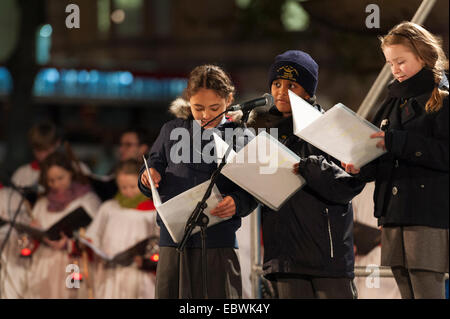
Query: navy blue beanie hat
297, 66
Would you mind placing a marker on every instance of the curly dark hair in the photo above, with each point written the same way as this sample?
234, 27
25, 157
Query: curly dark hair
211, 77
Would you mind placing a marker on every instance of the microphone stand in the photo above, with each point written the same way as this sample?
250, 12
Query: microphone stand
11, 226
245, 116
198, 218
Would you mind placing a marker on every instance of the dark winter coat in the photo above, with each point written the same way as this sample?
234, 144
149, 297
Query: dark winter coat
411, 179
180, 177
312, 233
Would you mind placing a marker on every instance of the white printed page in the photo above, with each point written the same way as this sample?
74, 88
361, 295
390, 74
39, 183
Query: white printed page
176, 211
264, 169
340, 133
221, 149
155, 195
303, 113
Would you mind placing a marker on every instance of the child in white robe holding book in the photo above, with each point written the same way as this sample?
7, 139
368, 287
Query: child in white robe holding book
121, 223
53, 265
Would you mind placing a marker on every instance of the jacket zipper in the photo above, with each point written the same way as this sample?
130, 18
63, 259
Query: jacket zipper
329, 234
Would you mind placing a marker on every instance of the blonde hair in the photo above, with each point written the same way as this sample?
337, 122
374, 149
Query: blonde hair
426, 46
129, 167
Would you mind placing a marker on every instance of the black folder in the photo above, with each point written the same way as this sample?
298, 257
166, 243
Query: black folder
365, 238
123, 258
68, 224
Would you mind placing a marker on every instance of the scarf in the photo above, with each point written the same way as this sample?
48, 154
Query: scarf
420, 83
126, 202
58, 201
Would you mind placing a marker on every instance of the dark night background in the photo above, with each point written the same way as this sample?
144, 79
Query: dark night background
130, 58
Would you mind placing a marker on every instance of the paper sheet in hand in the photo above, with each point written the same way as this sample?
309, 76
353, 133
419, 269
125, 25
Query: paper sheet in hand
264, 169
339, 132
68, 224
176, 211
124, 258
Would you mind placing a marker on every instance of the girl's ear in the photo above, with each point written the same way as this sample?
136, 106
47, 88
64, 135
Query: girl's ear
422, 61
229, 99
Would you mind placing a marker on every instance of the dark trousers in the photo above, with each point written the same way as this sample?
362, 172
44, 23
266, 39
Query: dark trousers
307, 287
180, 276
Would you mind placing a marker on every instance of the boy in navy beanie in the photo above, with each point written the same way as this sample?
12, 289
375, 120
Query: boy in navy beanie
308, 242
297, 66
294, 70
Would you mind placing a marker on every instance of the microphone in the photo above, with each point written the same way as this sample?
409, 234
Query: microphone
29, 192
266, 100
24, 189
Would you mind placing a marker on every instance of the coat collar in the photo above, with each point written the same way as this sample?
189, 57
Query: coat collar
181, 108
420, 83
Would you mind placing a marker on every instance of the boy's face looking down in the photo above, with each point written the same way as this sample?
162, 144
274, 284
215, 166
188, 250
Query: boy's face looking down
279, 90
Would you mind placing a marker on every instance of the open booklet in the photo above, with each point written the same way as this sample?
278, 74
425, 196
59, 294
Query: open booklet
123, 258
68, 224
339, 132
263, 168
176, 211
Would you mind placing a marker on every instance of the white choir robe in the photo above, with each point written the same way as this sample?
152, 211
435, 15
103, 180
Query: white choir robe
26, 175
114, 230
51, 270
13, 280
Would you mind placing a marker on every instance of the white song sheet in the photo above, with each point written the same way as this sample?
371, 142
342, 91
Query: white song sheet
339, 132
176, 211
263, 168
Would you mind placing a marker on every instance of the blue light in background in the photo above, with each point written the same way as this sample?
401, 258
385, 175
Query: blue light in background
83, 76
51, 75
46, 31
95, 84
126, 78
6, 83
43, 44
